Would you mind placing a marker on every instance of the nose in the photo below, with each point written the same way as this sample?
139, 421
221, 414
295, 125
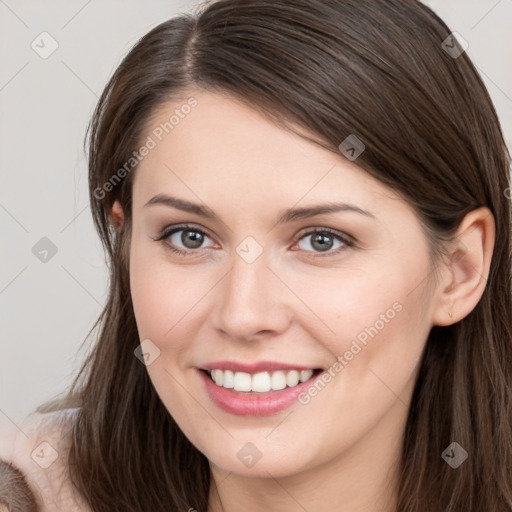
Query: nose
251, 301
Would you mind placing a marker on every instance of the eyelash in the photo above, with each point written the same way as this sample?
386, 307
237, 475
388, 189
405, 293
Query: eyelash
168, 231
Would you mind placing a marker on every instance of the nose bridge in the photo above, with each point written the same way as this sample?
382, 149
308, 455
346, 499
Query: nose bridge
250, 300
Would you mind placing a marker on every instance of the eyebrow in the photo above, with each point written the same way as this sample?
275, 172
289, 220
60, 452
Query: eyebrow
289, 215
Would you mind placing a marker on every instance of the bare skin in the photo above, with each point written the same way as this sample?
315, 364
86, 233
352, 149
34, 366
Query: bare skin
295, 303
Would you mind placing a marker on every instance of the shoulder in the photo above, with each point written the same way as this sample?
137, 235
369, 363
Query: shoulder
38, 449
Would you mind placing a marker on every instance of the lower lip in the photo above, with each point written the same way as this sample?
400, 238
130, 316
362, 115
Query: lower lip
254, 404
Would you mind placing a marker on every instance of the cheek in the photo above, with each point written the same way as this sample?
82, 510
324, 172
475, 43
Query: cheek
374, 325
165, 300
150, 297
372, 317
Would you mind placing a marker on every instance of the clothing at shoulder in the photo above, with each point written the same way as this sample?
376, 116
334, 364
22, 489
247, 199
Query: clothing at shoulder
38, 447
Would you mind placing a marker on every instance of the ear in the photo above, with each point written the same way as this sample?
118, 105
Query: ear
465, 275
117, 215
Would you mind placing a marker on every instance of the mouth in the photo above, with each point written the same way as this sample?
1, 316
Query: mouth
260, 382
255, 392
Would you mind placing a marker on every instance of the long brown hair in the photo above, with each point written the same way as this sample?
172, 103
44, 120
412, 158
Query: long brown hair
377, 69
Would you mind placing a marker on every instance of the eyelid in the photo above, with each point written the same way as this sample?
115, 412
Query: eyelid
335, 232
175, 227
348, 240
170, 230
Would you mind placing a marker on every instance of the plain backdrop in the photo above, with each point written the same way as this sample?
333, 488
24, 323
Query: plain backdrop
48, 307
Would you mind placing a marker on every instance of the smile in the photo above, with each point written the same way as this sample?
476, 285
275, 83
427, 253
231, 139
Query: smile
261, 382
262, 393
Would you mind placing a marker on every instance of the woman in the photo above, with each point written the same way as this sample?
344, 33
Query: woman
304, 206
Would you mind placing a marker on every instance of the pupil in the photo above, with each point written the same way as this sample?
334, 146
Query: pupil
196, 239
321, 240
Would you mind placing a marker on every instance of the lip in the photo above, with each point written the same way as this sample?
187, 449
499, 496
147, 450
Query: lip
260, 366
254, 404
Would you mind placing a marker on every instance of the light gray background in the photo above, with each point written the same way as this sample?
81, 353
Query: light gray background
45, 105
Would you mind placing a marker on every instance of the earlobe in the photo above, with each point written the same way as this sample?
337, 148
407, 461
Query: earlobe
117, 215
467, 268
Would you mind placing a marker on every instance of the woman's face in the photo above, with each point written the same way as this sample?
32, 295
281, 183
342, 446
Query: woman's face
248, 291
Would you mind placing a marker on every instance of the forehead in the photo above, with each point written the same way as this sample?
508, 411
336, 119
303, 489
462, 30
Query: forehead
222, 148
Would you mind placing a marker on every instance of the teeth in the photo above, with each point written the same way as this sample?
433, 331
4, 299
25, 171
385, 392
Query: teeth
259, 382
242, 381
278, 380
218, 377
305, 375
292, 378
229, 379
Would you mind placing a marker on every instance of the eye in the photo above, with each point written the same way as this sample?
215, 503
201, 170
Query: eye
323, 239
190, 237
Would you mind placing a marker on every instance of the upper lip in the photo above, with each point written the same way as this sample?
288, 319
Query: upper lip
260, 366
